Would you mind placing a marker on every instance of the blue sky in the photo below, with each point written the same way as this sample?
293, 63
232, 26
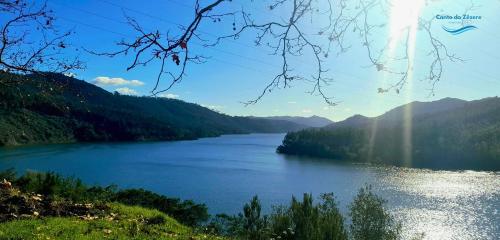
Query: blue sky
237, 71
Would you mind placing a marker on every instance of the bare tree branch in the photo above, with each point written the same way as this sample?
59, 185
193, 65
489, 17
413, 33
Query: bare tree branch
29, 42
289, 37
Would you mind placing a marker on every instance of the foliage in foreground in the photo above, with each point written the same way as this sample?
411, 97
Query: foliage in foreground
46, 204
306, 220
122, 222
55, 187
370, 220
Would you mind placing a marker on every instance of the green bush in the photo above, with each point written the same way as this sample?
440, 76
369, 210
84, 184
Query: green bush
9, 174
254, 225
187, 212
300, 220
370, 220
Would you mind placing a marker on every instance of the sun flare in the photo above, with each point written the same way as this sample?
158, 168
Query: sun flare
404, 15
403, 27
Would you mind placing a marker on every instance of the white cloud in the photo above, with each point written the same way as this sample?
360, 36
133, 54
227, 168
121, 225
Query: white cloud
70, 74
213, 107
106, 81
292, 102
126, 91
306, 110
168, 95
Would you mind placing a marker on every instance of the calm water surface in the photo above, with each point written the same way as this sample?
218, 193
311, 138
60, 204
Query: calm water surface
226, 172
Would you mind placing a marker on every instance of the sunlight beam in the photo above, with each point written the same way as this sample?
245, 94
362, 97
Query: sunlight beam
403, 28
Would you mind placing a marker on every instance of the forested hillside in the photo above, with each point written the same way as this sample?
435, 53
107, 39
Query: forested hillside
312, 121
53, 108
446, 134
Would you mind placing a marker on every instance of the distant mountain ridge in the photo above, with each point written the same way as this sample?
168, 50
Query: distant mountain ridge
414, 109
312, 121
444, 134
54, 108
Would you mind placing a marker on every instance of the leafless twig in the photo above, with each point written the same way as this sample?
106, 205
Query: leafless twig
288, 36
29, 42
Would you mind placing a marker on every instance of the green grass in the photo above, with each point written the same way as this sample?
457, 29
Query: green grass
123, 222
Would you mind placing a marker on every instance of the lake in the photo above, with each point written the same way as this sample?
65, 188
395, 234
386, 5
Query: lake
225, 172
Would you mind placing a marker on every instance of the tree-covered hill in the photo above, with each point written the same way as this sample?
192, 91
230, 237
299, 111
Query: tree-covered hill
445, 134
312, 121
53, 108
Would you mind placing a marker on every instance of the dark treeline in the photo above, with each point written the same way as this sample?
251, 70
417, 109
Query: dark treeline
53, 108
465, 136
301, 219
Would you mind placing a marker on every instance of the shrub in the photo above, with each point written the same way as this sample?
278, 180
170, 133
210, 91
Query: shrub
254, 225
298, 221
187, 212
370, 220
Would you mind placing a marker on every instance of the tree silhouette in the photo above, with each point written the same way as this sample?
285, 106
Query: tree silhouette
313, 30
29, 41
288, 37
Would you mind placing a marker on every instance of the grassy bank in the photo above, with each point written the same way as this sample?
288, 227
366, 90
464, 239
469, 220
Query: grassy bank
48, 206
119, 222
